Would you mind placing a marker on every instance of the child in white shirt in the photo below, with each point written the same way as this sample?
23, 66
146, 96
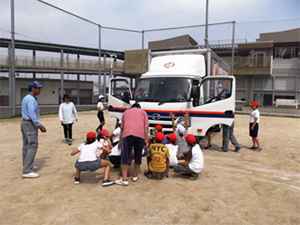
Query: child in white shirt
103, 139
115, 135
193, 163
88, 161
253, 127
173, 148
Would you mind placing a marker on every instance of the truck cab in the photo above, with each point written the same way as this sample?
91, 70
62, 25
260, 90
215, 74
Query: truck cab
178, 83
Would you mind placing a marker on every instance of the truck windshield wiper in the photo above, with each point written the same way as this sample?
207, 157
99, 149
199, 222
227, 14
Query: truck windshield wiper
145, 99
151, 99
171, 100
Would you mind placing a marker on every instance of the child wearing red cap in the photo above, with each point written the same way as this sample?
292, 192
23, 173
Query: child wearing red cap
158, 158
173, 148
253, 127
88, 160
158, 128
193, 163
103, 139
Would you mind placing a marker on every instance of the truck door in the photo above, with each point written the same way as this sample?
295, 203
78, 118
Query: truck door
215, 103
119, 95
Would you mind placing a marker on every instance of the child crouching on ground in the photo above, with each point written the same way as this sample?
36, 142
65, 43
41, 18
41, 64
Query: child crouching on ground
103, 139
114, 137
88, 160
149, 141
158, 158
115, 158
173, 148
193, 163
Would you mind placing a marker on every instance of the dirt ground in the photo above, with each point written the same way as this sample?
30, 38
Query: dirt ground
234, 188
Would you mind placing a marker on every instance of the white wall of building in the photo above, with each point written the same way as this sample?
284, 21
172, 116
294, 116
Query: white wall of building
50, 94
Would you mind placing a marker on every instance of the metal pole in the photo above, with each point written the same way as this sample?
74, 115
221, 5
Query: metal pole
34, 62
12, 81
78, 89
104, 76
206, 26
99, 61
78, 82
142, 71
232, 50
61, 74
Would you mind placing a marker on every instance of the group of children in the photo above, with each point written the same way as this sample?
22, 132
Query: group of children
160, 157
163, 152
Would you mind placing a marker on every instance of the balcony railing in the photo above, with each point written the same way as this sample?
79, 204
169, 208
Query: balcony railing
251, 65
243, 65
58, 63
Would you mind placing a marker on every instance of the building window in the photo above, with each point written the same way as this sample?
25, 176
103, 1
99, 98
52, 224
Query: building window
240, 82
268, 89
286, 53
240, 95
265, 83
258, 97
74, 93
285, 83
240, 88
268, 83
284, 95
258, 83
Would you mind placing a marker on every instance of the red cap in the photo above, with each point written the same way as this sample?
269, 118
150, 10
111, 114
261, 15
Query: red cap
159, 136
158, 127
91, 135
255, 103
190, 139
172, 136
104, 132
141, 89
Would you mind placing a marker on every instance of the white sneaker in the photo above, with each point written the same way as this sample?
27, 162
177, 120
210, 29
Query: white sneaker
134, 179
122, 182
107, 183
31, 175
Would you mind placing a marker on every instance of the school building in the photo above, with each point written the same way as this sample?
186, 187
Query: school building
265, 70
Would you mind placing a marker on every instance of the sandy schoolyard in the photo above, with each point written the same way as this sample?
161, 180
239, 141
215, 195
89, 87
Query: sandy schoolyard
234, 188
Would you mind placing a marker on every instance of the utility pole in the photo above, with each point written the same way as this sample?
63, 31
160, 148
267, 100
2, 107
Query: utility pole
143, 33
99, 60
206, 26
232, 50
12, 81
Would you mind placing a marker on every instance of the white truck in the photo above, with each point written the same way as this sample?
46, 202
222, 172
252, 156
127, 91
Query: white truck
196, 81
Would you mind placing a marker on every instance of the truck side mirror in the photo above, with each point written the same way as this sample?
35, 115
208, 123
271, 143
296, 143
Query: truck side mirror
195, 95
195, 91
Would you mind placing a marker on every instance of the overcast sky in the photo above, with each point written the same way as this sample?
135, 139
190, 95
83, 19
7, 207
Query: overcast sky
37, 21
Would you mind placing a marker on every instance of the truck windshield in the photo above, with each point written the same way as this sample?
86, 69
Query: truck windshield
163, 89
